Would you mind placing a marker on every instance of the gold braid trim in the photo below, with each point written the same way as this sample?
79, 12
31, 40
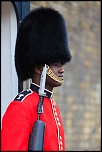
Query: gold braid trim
50, 73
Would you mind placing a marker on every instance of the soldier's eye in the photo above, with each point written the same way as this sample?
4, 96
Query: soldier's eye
58, 64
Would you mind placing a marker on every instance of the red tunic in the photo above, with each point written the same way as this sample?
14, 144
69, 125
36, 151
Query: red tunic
19, 118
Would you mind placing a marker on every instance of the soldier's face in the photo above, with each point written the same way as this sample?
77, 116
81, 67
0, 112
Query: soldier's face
58, 71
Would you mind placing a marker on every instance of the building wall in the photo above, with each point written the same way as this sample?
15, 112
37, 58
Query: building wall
9, 80
79, 98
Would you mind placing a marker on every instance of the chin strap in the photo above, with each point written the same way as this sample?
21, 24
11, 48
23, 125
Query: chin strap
50, 73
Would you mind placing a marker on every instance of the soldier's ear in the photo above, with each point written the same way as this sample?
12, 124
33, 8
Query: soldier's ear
38, 69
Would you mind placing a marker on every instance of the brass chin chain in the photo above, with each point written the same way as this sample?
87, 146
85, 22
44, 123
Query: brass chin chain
50, 73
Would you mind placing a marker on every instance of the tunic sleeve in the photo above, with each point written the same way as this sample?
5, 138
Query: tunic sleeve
16, 128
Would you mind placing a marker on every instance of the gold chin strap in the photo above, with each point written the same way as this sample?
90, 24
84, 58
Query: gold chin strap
50, 73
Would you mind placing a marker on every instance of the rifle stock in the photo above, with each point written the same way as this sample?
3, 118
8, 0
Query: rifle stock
36, 141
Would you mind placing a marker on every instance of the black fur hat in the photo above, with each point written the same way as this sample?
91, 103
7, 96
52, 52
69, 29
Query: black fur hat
41, 39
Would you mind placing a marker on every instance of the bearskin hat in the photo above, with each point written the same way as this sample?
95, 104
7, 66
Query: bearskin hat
42, 38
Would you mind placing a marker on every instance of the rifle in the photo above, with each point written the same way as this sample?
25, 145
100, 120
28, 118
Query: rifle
36, 141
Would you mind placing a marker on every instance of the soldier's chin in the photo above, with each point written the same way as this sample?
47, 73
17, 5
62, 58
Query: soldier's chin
58, 83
